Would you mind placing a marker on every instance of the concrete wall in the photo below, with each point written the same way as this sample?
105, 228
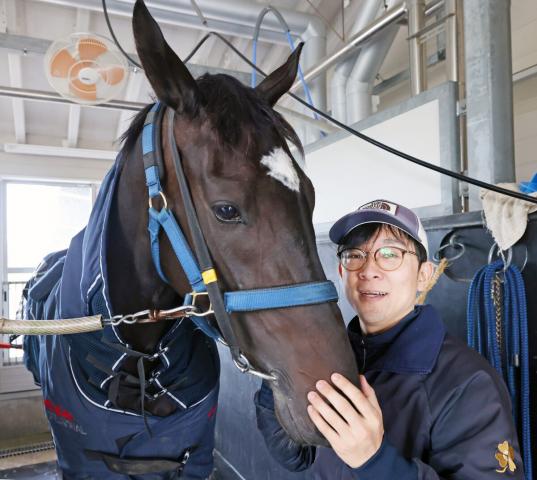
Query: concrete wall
23, 416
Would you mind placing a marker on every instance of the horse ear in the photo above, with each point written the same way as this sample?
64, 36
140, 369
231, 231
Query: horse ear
165, 71
281, 79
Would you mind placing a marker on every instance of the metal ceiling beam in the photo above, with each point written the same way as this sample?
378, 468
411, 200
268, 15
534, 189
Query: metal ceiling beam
12, 18
52, 151
73, 125
41, 96
15, 80
134, 87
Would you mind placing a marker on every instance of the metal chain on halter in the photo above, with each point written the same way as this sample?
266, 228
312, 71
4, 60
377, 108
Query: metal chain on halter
146, 315
497, 299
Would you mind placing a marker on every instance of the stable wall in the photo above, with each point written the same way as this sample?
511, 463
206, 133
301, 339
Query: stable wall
347, 171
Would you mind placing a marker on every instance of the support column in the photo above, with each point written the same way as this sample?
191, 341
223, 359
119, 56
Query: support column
417, 52
489, 93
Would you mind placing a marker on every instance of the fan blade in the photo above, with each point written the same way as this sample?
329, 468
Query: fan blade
112, 75
61, 63
82, 90
90, 48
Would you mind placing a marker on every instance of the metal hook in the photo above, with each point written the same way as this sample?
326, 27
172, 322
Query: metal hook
501, 253
244, 365
453, 243
509, 260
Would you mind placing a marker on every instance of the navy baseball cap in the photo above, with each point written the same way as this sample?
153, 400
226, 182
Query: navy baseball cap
380, 211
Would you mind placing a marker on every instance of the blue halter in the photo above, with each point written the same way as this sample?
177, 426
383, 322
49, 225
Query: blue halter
241, 301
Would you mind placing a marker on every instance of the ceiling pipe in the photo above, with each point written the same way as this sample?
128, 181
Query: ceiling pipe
232, 17
417, 50
369, 10
359, 86
392, 15
42, 96
244, 12
314, 50
237, 18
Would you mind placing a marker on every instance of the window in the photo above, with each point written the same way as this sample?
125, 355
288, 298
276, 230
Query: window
36, 219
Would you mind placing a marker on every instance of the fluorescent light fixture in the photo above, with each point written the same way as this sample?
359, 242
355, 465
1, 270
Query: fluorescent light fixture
51, 151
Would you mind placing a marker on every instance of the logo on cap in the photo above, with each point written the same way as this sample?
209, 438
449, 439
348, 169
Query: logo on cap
380, 205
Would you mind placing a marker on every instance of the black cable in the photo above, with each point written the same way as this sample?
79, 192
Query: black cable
197, 47
394, 151
110, 29
458, 176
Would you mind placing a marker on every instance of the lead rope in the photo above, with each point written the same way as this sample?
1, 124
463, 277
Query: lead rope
498, 329
439, 270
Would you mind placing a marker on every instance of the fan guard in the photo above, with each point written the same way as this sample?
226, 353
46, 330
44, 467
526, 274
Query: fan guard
86, 68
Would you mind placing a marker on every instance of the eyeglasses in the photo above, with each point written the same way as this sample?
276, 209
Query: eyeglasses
387, 258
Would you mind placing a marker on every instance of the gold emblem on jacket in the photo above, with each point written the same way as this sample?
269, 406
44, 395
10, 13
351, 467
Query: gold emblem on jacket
506, 457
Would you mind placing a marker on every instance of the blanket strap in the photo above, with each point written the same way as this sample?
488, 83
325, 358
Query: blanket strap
138, 466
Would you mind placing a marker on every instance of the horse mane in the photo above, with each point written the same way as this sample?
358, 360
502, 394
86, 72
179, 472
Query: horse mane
230, 104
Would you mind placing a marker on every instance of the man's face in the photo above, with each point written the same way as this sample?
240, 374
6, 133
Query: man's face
383, 298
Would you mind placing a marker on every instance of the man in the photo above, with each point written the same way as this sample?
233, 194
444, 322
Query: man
428, 406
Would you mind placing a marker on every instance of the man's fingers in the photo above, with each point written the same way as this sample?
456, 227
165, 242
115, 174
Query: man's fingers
326, 430
353, 393
330, 415
368, 391
339, 402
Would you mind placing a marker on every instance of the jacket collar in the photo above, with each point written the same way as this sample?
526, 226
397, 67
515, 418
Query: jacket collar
410, 347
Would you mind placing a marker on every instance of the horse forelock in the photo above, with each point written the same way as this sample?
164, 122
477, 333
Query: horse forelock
236, 110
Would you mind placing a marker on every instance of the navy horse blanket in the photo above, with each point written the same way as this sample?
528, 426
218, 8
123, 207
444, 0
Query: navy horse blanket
79, 374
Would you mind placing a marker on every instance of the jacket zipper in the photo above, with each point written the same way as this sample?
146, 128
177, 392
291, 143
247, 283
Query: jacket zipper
364, 350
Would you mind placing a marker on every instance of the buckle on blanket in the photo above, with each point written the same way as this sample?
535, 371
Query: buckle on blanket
139, 466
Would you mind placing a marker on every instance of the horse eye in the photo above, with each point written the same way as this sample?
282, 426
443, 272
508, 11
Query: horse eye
227, 213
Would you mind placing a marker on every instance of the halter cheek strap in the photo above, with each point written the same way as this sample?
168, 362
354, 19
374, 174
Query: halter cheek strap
202, 276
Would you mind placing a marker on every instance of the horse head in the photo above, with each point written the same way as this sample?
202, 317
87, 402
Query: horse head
254, 204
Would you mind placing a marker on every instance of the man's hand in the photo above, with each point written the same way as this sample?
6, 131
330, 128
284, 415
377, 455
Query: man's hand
354, 431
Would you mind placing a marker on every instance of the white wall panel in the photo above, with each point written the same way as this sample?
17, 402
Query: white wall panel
351, 172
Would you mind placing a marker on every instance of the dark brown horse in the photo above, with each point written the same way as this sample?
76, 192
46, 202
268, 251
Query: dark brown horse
254, 205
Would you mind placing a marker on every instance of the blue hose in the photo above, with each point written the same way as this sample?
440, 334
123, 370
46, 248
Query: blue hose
254, 61
511, 358
287, 32
307, 91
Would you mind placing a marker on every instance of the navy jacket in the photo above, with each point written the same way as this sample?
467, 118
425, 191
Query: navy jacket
446, 411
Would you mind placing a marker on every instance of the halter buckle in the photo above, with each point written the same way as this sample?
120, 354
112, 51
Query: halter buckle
195, 312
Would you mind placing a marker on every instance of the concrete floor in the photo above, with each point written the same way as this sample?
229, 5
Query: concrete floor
42, 471
39, 464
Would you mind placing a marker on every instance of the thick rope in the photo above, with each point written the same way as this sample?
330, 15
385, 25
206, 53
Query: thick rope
440, 268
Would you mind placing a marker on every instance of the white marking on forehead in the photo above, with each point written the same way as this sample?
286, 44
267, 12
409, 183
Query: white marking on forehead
281, 168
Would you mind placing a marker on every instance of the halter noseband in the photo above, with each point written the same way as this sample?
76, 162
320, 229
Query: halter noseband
199, 269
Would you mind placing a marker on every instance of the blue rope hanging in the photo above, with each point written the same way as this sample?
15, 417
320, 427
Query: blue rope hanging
504, 341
